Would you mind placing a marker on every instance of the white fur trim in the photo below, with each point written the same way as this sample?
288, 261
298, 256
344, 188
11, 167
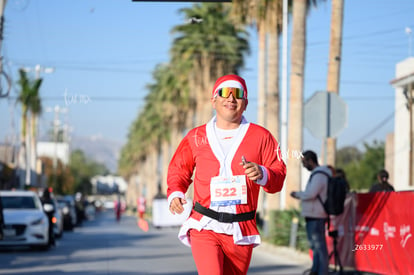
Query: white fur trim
176, 194
229, 83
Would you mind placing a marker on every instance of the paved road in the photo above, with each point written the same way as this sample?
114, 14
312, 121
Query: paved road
103, 246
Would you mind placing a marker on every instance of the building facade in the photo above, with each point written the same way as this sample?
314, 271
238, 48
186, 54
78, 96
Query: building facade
402, 155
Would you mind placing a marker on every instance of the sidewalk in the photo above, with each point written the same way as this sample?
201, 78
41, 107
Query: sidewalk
289, 254
297, 258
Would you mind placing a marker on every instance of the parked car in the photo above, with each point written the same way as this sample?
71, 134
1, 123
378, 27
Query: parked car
25, 222
67, 206
90, 210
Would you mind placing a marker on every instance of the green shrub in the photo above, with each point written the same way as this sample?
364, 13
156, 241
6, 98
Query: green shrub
280, 223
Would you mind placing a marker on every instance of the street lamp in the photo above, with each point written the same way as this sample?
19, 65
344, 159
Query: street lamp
39, 69
408, 31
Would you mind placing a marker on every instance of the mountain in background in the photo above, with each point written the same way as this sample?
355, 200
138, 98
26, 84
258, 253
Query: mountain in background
99, 149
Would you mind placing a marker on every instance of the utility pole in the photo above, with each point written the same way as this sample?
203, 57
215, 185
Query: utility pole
2, 73
2, 7
408, 31
56, 124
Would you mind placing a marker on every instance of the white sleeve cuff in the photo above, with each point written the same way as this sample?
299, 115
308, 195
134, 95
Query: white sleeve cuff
176, 194
263, 180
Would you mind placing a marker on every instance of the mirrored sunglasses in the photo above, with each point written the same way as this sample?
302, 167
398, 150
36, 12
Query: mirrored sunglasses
226, 91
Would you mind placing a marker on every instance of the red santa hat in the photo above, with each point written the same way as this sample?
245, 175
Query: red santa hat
231, 80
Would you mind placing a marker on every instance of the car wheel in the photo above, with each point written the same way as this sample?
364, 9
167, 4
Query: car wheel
59, 235
41, 247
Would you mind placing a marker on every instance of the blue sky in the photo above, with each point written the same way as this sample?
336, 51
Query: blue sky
103, 54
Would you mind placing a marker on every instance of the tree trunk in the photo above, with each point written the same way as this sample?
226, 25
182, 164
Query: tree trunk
261, 101
208, 84
33, 151
261, 94
334, 66
166, 157
150, 175
295, 127
272, 100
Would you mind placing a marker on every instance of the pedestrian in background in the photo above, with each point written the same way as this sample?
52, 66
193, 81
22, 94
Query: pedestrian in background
118, 208
382, 184
141, 206
50, 211
339, 172
313, 211
232, 159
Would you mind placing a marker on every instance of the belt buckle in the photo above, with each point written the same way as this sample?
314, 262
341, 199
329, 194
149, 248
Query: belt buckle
224, 217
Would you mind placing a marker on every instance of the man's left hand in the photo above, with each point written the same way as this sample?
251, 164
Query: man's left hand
252, 171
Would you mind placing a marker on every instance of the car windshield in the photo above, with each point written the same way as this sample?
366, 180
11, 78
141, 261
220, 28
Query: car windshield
16, 202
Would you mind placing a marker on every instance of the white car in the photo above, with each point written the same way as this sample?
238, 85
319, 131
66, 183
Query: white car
25, 222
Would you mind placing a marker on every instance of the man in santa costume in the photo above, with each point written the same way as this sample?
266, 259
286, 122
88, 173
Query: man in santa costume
232, 160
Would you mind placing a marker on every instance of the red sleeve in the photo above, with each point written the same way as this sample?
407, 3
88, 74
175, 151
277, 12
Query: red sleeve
181, 168
274, 164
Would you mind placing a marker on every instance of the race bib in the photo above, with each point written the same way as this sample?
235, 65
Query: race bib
228, 190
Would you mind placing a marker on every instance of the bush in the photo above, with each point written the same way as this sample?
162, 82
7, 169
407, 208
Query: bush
280, 224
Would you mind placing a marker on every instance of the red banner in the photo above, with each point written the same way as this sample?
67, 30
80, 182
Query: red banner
375, 233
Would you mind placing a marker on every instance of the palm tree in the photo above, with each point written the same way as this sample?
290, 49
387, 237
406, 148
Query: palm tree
35, 111
200, 54
165, 110
211, 48
274, 20
30, 101
254, 13
295, 128
267, 16
334, 65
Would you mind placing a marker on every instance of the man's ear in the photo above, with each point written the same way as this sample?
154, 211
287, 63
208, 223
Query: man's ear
213, 102
246, 102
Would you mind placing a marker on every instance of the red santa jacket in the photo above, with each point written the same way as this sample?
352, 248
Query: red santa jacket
200, 151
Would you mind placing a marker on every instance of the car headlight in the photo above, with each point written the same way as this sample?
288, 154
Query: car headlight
65, 210
38, 221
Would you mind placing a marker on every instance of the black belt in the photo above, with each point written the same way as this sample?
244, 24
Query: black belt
224, 217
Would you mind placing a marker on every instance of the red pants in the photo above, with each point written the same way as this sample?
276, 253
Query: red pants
216, 254
141, 214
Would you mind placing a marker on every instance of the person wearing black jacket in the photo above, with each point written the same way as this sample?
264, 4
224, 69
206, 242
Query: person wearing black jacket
382, 185
50, 210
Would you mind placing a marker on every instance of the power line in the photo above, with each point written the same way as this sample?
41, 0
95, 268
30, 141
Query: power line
353, 37
376, 128
357, 82
92, 98
370, 98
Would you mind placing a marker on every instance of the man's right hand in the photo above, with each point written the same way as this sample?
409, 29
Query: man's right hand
176, 205
294, 195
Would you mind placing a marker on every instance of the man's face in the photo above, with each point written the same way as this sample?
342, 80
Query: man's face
307, 164
229, 109
383, 179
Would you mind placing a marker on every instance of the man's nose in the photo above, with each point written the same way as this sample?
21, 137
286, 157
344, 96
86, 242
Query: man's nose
231, 97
